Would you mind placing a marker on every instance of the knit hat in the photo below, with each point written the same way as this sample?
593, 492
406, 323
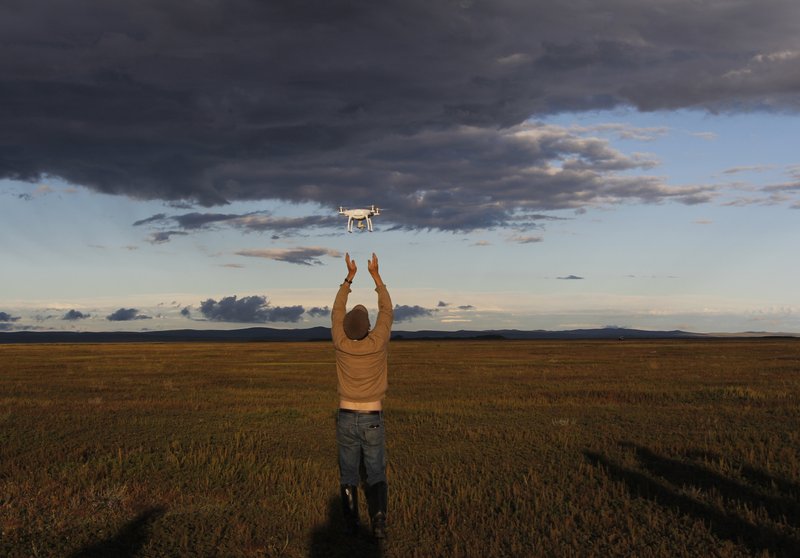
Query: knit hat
356, 323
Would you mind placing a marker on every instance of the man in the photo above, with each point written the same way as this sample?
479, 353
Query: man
361, 368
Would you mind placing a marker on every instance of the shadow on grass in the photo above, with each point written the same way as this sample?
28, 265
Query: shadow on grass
329, 540
670, 476
768, 482
127, 542
681, 473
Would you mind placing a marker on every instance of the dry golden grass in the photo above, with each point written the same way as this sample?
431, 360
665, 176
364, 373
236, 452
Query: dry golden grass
541, 448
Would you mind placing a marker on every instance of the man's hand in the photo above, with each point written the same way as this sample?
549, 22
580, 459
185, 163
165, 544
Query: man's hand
351, 267
372, 266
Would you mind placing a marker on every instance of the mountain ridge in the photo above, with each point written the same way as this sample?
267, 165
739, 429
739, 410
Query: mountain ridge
323, 334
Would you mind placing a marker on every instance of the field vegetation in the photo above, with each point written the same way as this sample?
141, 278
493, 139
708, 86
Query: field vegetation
528, 448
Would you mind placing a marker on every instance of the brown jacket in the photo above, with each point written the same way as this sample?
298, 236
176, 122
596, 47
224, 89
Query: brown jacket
361, 366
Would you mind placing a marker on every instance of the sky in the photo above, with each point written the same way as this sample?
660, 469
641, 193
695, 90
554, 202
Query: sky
540, 165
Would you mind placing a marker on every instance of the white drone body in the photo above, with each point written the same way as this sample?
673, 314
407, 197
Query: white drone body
360, 215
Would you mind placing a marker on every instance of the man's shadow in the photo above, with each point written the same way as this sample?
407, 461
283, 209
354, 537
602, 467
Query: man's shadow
329, 540
127, 542
663, 478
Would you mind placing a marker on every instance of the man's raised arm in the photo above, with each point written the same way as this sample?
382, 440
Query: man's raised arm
385, 311
340, 303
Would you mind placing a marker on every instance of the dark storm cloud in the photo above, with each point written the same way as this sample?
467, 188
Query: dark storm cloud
249, 222
302, 255
6, 317
265, 222
158, 218
162, 237
187, 221
404, 313
74, 315
126, 314
248, 309
202, 220
318, 312
424, 105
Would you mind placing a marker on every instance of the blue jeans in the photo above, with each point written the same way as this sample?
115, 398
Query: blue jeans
361, 436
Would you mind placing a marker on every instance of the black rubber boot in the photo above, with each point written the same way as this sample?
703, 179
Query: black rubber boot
377, 498
349, 495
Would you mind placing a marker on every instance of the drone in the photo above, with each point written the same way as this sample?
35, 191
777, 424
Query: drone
360, 215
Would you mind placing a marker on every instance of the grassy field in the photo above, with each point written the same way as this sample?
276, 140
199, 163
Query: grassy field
566, 448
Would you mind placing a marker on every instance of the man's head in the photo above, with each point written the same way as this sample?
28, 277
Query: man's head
356, 323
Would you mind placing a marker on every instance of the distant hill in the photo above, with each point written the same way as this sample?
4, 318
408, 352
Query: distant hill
602, 333
248, 334
324, 333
